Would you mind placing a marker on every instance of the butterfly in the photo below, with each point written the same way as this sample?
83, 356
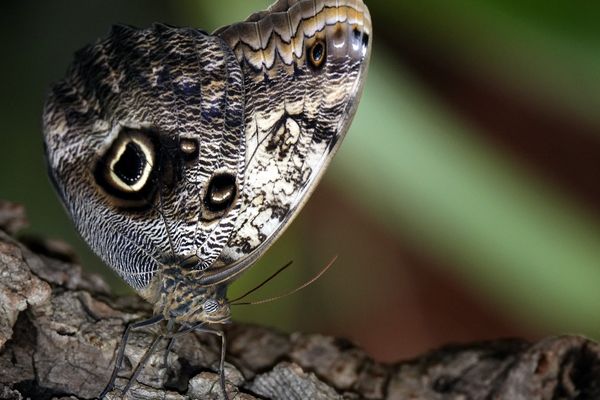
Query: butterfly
181, 156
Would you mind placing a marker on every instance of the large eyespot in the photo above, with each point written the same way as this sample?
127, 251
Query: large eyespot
221, 192
126, 170
317, 53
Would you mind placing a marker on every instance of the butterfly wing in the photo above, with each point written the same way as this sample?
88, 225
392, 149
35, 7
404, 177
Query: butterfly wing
170, 146
145, 141
304, 64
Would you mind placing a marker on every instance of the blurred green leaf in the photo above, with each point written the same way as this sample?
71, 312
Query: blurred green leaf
520, 241
548, 52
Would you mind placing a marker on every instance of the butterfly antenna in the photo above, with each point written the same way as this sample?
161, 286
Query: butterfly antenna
280, 270
299, 288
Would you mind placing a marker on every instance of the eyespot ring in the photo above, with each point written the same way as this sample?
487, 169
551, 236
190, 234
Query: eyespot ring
127, 169
317, 53
130, 165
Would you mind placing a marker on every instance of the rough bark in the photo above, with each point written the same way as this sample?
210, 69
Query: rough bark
60, 327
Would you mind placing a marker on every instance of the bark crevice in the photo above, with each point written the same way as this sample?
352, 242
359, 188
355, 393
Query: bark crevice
60, 327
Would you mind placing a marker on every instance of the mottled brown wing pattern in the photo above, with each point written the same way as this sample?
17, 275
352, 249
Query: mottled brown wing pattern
169, 99
297, 110
171, 147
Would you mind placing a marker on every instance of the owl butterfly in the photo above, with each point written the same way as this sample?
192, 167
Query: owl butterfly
181, 156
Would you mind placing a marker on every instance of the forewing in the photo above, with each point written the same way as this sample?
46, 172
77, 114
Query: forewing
174, 98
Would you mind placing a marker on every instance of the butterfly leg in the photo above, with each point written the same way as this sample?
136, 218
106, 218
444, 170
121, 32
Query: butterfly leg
121, 351
172, 336
141, 364
168, 350
221, 334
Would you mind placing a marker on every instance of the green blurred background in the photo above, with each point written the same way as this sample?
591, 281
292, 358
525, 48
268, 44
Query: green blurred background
464, 203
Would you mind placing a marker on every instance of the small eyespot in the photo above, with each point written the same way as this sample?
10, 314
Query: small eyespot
359, 37
317, 54
221, 192
189, 149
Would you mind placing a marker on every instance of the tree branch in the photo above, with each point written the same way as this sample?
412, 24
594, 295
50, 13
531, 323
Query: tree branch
60, 327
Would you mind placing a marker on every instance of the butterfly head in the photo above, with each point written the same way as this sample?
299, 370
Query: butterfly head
216, 311
179, 297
